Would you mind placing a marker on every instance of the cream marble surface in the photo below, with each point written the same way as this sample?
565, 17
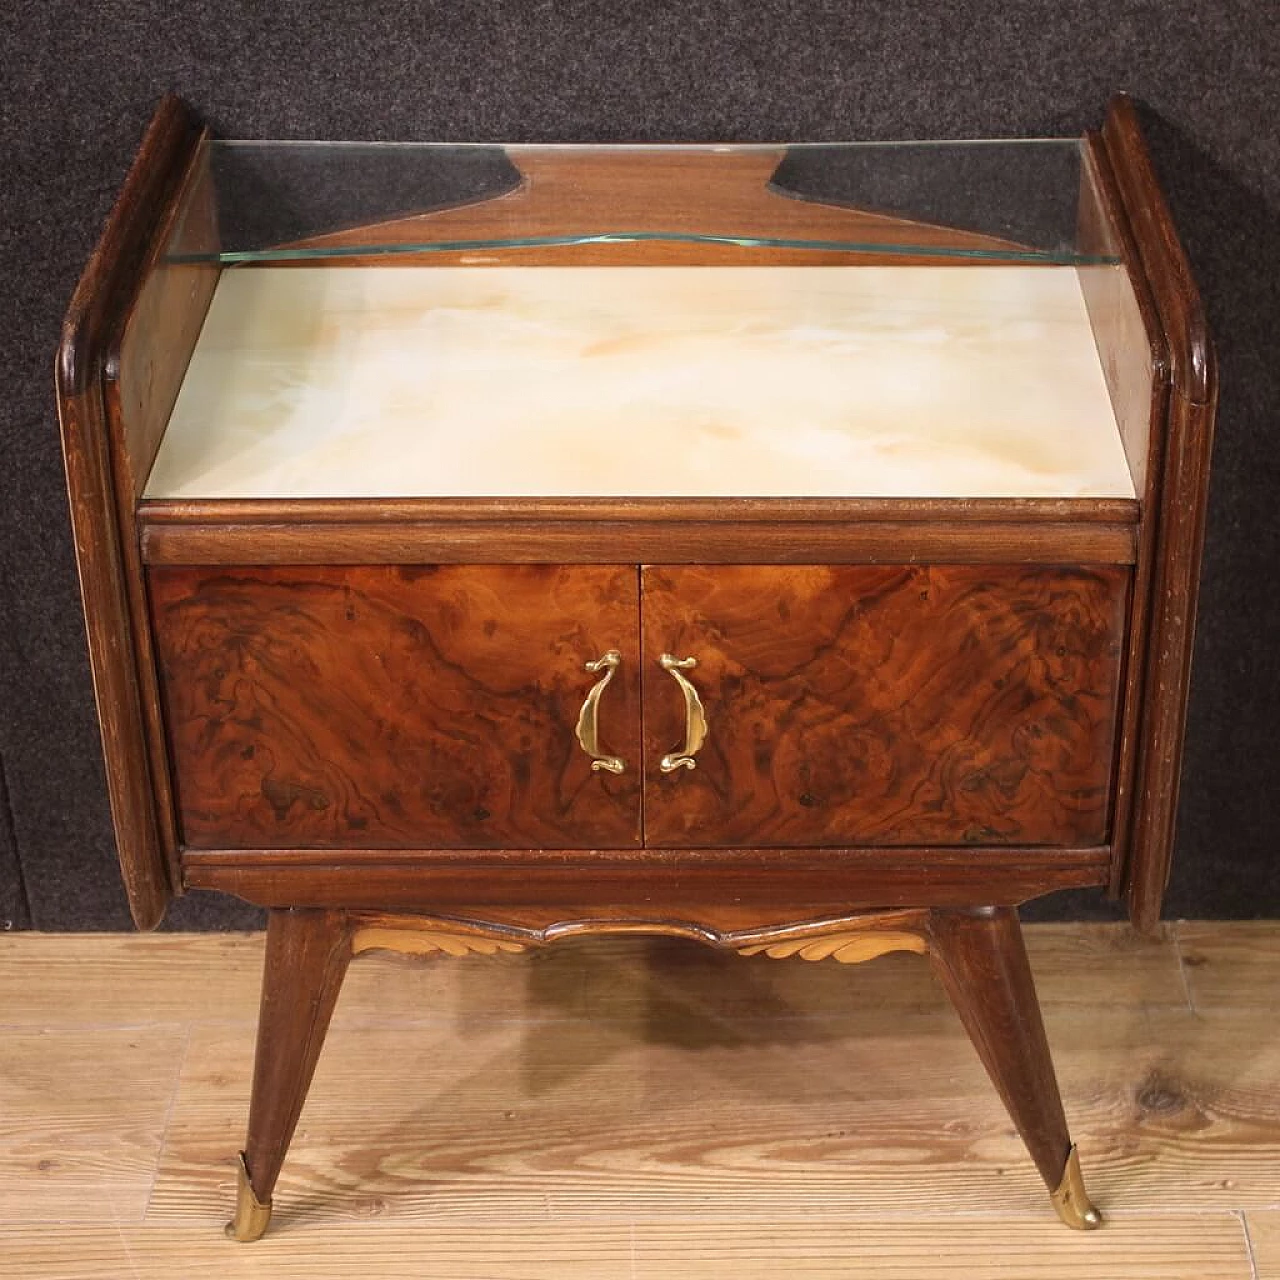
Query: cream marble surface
959, 381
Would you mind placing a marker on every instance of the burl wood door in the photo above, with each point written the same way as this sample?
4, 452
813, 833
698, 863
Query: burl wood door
396, 707
882, 705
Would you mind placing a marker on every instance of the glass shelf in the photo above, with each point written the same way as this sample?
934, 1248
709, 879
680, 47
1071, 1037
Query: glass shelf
1017, 202
958, 360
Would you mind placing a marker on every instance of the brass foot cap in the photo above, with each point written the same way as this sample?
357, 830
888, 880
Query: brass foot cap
1072, 1201
252, 1215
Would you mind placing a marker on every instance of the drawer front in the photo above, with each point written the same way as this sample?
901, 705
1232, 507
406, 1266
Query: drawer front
884, 705
394, 707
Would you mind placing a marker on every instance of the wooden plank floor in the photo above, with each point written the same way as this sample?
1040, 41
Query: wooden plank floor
640, 1108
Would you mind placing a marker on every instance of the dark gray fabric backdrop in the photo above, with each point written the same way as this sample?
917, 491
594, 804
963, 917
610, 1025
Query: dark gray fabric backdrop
80, 80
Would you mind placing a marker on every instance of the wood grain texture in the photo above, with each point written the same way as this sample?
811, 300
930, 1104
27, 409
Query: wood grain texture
1263, 1227
689, 884
891, 706
306, 961
980, 959
397, 706
101, 499
979, 955
119, 981
1231, 967
626, 977
827, 1122
1177, 1247
82, 1113
537, 541
405, 939
1175, 585
863, 935
104, 980
157, 334
388, 512
1174, 505
880, 1111
838, 1247
142, 373
443, 1252
1164, 261
1126, 321
845, 948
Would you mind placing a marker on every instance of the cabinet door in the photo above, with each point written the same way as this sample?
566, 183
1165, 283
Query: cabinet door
394, 707
882, 705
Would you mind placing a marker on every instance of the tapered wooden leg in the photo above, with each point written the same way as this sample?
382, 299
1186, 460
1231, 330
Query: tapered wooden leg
307, 956
982, 962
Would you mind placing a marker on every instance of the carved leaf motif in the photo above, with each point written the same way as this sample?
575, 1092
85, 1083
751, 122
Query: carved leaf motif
845, 948
424, 942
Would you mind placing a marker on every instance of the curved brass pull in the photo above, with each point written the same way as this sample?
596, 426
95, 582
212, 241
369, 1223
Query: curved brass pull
588, 729
695, 718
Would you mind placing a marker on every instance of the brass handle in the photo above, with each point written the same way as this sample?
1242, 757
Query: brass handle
588, 730
695, 718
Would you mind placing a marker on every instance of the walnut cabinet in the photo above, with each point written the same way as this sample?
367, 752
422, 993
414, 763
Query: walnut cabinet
790, 548
453, 707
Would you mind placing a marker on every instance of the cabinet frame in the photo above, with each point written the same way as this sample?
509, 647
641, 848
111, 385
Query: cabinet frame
131, 327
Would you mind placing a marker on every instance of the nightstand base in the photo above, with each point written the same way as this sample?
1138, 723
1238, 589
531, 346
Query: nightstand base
977, 953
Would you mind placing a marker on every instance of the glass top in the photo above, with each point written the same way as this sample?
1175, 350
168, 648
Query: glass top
1015, 202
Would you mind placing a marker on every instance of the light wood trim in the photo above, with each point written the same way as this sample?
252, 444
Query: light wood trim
846, 948
426, 941
848, 939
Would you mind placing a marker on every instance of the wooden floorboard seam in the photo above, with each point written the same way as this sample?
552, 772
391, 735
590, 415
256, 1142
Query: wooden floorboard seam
168, 1118
1248, 1244
1176, 941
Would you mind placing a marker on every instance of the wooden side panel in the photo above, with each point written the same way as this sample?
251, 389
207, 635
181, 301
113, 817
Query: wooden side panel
397, 707
1167, 681
102, 505
160, 330
1121, 331
1174, 505
1134, 355
143, 373
885, 705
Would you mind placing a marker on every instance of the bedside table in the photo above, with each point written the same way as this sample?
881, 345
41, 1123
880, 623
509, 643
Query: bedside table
791, 548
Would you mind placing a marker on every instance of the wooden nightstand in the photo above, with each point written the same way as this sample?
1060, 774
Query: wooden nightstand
801, 559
